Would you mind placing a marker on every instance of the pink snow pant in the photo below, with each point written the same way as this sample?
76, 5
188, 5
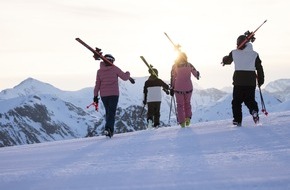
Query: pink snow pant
183, 106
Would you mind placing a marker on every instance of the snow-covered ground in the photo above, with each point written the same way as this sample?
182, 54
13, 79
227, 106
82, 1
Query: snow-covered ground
211, 155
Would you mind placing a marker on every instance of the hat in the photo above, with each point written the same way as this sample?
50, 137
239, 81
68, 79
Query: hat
110, 58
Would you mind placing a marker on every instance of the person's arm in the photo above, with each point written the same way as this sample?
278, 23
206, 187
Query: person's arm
260, 71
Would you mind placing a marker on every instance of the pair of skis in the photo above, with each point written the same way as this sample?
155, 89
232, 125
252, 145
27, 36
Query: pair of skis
100, 55
150, 67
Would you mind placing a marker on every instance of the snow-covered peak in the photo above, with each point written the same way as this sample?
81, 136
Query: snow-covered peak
280, 85
29, 86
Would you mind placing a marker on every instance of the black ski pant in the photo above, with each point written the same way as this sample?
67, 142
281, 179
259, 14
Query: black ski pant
153, 112
243, 94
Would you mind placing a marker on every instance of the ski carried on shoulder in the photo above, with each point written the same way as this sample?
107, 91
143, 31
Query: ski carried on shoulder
97, 52
149, 66
176, 46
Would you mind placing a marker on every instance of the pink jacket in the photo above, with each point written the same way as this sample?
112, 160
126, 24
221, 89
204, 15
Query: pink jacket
181, 76
107, 80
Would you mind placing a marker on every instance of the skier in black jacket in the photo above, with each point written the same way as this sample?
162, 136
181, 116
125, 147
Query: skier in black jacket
247, 62
152, 97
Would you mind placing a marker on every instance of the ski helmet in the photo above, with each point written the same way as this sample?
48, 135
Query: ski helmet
240, 39
110, 57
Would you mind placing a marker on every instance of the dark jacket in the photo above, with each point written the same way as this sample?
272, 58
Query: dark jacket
247, 61
152, 89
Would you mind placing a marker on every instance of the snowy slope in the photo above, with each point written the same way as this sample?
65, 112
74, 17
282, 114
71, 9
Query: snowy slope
208, 155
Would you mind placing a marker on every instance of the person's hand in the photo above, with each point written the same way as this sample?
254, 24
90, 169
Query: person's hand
132, 80
96, 99
197, 75
171, 92
260, 82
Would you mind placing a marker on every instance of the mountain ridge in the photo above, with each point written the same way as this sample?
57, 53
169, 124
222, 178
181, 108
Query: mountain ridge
66, 113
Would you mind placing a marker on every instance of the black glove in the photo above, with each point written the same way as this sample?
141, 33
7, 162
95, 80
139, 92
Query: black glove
260, 82
166, 91
171, 92
198, 75
96, 99
132, 80
144, 102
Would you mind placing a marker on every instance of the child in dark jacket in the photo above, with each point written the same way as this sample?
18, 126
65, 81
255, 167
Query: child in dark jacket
152, 97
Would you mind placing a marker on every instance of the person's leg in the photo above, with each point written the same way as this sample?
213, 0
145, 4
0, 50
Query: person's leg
111, 103
180, 108
187, 108
237, 104
157, 114
251, 103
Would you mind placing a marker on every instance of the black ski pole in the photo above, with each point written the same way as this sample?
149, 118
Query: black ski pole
175, 110
170, 111
142, 110
262, 102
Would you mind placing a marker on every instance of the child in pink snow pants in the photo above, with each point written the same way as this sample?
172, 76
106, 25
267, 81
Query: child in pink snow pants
181, 87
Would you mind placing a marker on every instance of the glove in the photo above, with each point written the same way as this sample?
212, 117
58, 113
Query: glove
197, 75
144, 102
171, 92
226, 60
96, 99
260, 82
166, 91
132, 80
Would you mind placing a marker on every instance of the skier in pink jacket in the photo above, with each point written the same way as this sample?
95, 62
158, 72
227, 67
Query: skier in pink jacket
108, 88
181, 87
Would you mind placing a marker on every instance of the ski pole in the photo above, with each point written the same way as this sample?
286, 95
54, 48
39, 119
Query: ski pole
262, 102
142, 110
100, 55
95, 105
175, 110
170, 111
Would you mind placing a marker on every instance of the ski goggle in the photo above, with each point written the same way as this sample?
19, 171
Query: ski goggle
111, 59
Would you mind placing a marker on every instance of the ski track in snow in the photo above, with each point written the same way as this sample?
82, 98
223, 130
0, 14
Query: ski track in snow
210, 155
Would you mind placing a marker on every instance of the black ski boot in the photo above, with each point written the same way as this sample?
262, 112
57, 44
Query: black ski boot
255, 117
108, 133
238, 124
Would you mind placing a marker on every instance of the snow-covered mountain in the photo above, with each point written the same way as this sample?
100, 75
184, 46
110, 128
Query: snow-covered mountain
34, 111
280, 89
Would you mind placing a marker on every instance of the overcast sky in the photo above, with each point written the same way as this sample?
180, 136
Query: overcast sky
37, 38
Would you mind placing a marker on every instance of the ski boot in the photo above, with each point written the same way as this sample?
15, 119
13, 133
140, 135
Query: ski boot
187, 121
255, 117
108, 133
236, 123
150, 124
